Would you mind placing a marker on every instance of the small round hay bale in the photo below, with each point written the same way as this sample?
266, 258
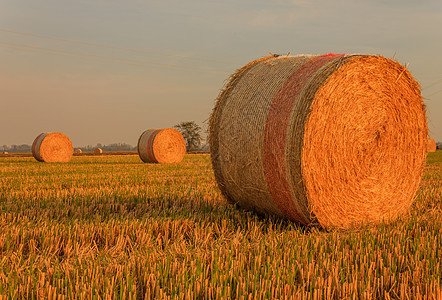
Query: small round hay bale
161, 146
431, 145
52, 147
5, 152
98, 151
276, 115
78, 151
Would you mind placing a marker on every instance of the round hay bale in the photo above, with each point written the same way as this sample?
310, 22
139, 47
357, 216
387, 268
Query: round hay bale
98, 151
78, 151
52, 147
5, 152
276, 115
161, 146
431, 145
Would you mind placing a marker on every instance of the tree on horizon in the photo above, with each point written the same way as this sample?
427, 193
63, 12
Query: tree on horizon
191, 133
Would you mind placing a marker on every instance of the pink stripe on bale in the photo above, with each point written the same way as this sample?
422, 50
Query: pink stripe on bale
276, 132
334, 54
150, 146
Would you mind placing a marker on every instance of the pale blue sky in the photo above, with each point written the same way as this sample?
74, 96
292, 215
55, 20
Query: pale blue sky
104, 71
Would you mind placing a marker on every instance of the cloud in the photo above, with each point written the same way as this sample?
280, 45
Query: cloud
294, 2
279, 17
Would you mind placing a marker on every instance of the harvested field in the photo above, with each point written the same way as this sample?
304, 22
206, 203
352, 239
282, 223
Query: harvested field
91, 153
275, 116
111, 226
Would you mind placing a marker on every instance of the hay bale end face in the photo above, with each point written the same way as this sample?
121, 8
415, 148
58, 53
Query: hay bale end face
276, 115
161, 146
431, 145
98, 151
52, 147
78, 151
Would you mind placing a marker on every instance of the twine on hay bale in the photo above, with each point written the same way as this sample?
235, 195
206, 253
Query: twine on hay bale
98, 151
431, 145
161, 146
52, 147
78, 151
276, 115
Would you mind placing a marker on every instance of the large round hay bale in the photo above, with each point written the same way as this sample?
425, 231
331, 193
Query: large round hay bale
336, 140
431, 145
52, 147
161, 146
98, 151
78, 151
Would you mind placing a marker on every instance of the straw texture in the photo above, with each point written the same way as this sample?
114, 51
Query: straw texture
52, 147
275, 116
161, 146
98, 151
431, 145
